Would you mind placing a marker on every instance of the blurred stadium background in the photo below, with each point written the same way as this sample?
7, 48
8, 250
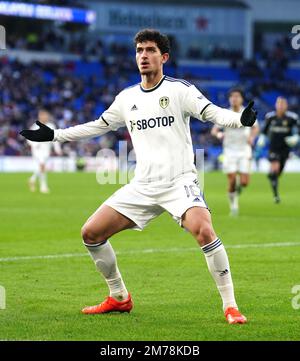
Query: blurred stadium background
75, 56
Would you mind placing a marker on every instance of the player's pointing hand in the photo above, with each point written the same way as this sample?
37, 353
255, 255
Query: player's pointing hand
43, 134
249, 115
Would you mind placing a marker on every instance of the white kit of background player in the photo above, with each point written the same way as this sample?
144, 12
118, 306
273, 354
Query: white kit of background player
40, 153
156, 113
237, 151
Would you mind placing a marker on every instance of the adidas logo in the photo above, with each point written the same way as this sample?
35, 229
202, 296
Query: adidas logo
134, 107
197, 200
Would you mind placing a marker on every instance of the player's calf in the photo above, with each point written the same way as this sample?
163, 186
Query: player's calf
244, 180
105, 261
233, 192
95, 233
198, 222
232, 182
273, 178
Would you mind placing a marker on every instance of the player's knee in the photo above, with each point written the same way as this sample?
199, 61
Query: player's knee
244, 182
206, 234
89, 236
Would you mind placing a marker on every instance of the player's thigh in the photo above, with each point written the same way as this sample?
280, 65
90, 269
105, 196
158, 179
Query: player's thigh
197, 220
43, 167
244, 170
230, 163
244, 165
275, 166
136, 203
104, 223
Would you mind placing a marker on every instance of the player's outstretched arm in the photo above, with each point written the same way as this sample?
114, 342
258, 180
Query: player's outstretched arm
78, 132
227, 118
111, 119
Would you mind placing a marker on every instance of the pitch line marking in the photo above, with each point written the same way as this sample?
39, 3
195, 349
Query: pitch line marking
149, 250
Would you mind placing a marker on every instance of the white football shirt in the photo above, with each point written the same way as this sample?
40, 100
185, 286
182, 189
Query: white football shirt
158, 120
235, 140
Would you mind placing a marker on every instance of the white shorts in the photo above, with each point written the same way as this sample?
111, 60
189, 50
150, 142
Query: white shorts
41, 158
142, 203
236, 164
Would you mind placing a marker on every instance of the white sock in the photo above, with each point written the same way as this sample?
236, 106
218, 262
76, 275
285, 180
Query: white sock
233, 201
218, 265
106, 263
43, 180
34, 176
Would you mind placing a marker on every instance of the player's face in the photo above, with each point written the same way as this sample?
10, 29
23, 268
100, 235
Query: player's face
43, 116
149, 58
235, 100
281, 106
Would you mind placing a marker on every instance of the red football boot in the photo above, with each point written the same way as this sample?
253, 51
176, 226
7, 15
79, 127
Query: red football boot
110, 304
233, 315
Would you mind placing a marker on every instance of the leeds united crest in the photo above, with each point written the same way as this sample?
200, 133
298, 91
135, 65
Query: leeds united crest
164, 102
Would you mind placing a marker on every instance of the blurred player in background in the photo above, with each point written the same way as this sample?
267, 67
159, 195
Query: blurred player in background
237, 151
282, 127
40, 153
157, 114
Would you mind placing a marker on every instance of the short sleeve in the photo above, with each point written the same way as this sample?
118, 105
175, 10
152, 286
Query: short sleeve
112, 117
195, 102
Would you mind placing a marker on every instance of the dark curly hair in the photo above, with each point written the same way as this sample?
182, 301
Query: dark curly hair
236, 90
161, 40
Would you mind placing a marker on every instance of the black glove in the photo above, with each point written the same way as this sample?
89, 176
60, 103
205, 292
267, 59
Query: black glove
43, 134
249, 115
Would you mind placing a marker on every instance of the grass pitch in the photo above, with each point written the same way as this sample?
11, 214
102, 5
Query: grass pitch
49, 277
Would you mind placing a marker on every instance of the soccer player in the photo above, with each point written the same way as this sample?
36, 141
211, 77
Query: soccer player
237, 151
156, 112
282, 128
40, 153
